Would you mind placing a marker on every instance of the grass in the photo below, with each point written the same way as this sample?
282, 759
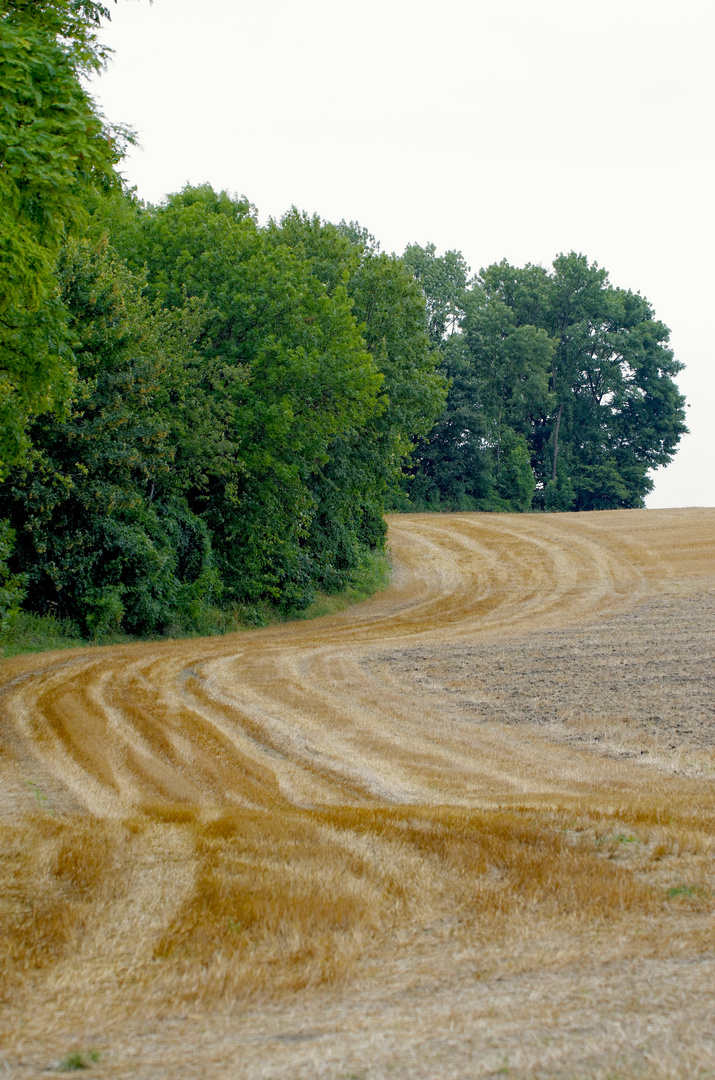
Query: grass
30, 633
371, 577
687, 891
41, 800
77, 1060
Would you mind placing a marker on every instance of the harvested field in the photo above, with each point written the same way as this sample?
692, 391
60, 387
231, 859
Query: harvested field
463, 830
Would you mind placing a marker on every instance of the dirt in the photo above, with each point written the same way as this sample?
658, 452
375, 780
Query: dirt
639, 684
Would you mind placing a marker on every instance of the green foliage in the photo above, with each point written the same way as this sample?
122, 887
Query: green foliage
451, 471
688, 892
371, 576
289, 375
613, 411
25, 632
77, 1060
475, 457
391, 308
364, 467
514, 476
245, 397
54, 147
102, 535
560, 366
443, 280
315, 369
12, 586
559, 492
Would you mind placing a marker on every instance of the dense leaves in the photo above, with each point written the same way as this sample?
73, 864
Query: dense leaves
245, 398
284, 369
54, 146
103, 534
562, 393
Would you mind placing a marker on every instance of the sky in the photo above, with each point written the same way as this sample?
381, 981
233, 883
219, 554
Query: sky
510, 129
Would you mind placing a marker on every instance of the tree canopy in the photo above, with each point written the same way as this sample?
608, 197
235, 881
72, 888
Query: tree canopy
554, 372
54, 147
245, 397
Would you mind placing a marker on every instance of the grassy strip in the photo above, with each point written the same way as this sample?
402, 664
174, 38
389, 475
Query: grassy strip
28, 633
371, 577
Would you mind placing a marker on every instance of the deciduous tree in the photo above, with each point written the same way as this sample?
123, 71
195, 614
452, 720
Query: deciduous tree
54, 146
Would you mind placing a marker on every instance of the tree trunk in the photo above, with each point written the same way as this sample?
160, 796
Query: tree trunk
556, 442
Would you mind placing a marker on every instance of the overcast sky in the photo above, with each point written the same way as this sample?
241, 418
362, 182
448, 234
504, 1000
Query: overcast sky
511, 129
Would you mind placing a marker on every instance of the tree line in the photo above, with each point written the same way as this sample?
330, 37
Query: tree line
199, 412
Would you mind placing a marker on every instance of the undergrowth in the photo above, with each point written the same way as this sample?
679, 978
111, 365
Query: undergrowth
26, 632
371, 577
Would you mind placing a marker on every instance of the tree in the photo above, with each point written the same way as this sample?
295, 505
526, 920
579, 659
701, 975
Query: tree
12, 586
474, 456
285, 369
234, 428
54, 147
613, 412
557, 364
448, 467
103, 534
443, 280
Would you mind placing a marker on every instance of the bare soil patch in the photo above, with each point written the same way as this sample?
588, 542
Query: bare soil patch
637, 685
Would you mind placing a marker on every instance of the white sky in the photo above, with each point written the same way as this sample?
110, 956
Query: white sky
507, 129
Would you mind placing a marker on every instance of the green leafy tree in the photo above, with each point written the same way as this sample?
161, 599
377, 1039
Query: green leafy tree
496, 373
443, 280
613, 411
54, 147
514, 480
244, 399
103, 534
391, 309
559, 362
451, 469
285, 371
510, 369
12, 586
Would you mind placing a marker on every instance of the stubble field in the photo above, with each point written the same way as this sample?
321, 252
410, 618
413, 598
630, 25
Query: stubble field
463, 830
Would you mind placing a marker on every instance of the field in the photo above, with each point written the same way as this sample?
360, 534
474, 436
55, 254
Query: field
462, 830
